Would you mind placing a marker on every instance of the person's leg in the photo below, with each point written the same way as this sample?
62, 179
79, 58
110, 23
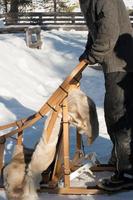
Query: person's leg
127, 85
119, 119
115, 112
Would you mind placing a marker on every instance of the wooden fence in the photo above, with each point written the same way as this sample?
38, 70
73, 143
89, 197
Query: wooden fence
47, 21
131, 19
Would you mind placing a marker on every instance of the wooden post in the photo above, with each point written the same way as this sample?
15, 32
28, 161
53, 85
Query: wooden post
52, 122
66, 145
20, 134
2, 147
55, 6
20, 138
58, 166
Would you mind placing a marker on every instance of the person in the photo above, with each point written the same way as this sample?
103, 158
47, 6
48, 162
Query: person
110, 43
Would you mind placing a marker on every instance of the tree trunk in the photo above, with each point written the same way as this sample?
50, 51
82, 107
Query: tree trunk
13, 11
55, 8
14, 6
5, 5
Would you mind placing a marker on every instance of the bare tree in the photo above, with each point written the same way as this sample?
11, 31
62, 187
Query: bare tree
15, 5
59, 5
4, 5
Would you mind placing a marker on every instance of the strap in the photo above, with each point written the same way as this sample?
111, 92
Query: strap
20, 134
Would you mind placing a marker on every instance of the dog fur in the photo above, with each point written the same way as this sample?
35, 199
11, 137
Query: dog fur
14, 173
83, 114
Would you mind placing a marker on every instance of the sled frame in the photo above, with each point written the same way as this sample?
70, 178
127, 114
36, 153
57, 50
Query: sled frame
63, 166
57, 103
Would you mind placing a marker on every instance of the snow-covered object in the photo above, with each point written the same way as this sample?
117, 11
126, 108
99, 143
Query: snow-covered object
85, 168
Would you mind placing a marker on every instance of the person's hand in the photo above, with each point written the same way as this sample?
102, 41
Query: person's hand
84, 56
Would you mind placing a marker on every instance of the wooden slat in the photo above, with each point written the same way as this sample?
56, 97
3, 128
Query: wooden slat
58, 166
2, 147
75, 191
48, 14
102, 167
71, 191
57, 23
52, 122
65, 20
41, 16
66, 146
26, 17
21, 28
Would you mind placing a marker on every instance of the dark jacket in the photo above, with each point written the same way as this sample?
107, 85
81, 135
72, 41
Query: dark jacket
110, 38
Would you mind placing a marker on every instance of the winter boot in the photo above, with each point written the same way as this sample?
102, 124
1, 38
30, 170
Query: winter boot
116, 182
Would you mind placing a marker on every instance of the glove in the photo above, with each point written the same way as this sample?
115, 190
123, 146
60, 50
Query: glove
84, 56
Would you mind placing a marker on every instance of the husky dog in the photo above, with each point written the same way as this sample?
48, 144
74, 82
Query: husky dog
82, 114
14, 173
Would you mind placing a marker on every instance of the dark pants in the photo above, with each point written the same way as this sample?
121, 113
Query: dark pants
118, 108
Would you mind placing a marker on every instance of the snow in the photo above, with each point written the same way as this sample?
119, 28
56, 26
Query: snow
129, 4
28, 77
2, 23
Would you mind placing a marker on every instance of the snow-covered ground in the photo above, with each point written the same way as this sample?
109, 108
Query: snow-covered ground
28, 78
129, 4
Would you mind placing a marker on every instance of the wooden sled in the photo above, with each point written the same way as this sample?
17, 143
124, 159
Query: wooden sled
61, 166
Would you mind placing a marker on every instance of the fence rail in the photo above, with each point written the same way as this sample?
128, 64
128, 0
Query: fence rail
131, 19
47, 21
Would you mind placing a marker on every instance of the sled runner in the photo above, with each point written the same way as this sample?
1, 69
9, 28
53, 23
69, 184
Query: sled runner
62, 167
